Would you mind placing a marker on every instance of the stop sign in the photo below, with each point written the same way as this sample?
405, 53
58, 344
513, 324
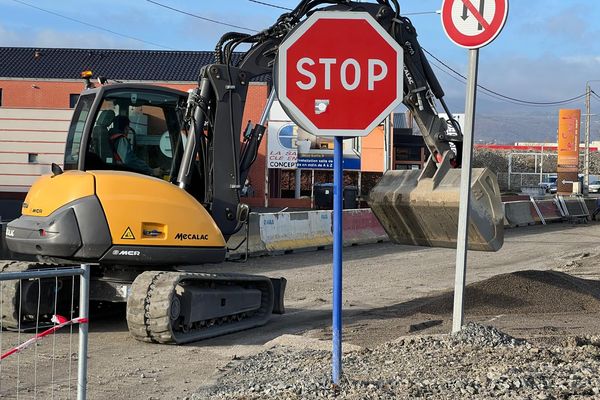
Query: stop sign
339, 74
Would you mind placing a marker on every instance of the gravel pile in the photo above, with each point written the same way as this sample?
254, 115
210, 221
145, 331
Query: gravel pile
480, 362
481, 335
524, 292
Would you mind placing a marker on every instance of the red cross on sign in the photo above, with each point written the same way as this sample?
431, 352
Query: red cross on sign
473, 23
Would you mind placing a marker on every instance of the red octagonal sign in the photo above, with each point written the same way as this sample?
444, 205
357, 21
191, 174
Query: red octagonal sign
339, 74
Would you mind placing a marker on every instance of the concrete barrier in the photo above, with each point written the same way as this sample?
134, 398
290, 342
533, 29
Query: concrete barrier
591, 203
518, 213
549, 210
296, 230
361, 227
574, 207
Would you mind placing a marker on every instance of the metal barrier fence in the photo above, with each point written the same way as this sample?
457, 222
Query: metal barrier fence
29, 341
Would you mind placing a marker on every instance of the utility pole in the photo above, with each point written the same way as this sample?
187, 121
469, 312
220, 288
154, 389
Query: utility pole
586, 159
588, 115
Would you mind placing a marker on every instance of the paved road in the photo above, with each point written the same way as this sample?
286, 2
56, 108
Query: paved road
376, 277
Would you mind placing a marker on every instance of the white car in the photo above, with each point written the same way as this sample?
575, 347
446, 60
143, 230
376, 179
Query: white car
549, 186
594, 187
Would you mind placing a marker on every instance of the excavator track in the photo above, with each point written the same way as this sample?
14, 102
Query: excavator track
156, 306
11, 294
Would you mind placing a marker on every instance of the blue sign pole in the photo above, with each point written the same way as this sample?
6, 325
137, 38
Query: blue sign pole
338, 196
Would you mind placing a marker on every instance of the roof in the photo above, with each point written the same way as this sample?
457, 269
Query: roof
137, 65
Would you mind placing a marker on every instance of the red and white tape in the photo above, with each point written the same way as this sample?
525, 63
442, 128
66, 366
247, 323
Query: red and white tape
60, 322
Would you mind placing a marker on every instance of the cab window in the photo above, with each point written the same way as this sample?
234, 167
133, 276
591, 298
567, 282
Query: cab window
73, 144
135, 131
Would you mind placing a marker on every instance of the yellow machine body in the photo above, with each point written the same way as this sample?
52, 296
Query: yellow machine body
141, 204
50, 192
105, 216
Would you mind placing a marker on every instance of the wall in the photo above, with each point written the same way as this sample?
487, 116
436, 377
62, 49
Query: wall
30, 140
38, 94
372, 154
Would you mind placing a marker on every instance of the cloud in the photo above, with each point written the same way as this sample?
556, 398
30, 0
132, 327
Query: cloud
568, 24
564, 27
543, 78
56, 38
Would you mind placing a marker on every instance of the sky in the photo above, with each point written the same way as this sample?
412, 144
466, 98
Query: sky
547, 51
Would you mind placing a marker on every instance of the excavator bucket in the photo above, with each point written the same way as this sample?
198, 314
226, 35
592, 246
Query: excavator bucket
415, 209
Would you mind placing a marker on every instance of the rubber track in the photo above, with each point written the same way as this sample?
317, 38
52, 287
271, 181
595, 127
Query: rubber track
149, 304
10, 293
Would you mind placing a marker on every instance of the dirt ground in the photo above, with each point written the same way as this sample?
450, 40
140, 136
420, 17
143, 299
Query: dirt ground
389, 291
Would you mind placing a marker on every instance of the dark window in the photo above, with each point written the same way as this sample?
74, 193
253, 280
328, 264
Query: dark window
0, 97
73, 100
408, 154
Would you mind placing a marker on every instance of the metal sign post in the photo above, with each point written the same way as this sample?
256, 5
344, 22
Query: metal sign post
471, 24
465, 194
338, 196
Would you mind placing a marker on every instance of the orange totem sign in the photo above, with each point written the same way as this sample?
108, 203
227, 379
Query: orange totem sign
568, 149
568, 140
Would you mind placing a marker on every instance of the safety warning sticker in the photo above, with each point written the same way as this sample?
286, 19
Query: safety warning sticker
128, 234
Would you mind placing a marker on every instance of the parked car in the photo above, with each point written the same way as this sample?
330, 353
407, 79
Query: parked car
594, 187
549, 186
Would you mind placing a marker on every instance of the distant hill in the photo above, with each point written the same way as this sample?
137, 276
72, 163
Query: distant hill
516, 127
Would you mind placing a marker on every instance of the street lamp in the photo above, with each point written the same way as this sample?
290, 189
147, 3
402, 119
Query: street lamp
586, 157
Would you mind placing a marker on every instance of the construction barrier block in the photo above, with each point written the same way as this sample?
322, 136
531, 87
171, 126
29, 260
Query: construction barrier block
296, 230
575, 207
506, 223
361, 227
534, 214
549, 209
591, 203
518, 213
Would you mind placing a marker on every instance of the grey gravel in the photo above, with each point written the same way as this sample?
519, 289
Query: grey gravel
480, 362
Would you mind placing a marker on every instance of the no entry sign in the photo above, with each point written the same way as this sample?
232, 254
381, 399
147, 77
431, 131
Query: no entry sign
339, 74
473, 23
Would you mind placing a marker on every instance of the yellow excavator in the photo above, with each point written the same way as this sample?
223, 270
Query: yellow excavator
151, 184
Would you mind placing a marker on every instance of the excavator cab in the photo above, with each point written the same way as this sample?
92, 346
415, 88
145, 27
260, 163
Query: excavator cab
152, 139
